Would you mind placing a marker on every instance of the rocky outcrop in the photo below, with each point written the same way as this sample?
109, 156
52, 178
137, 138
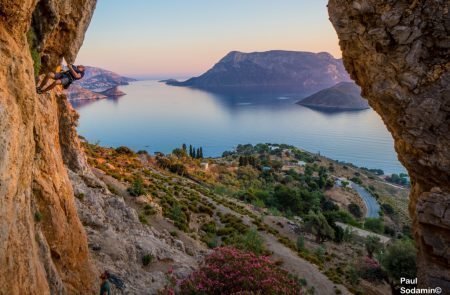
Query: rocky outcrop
277, 69
43, 245
399, 53
118, 240
77, 93
113, 92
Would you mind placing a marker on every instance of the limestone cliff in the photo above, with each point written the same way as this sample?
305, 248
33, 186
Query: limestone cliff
399, 53
43, 246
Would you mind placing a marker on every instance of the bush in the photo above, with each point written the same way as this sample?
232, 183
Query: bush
37, 216
123, 150
147, 259
371, 270
250, 241
355, 210
137, 188
231, 271
300, 243
387, 208
35, 55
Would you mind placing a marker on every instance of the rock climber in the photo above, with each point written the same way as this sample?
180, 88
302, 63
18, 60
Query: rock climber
64, 78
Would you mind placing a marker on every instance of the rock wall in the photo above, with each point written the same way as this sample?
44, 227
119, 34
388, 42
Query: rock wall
43, 246
399, 53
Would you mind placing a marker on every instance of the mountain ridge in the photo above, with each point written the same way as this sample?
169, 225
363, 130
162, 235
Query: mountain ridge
305, 71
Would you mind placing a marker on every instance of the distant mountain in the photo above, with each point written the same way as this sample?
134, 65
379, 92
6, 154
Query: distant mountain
97, 83
100, 79
342, 96
305, 71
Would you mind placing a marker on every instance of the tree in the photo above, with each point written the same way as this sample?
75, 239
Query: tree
190, 151
180, 153
201, 153
318, 225
355, 210
399, 261
373, 245
194, 155
184, 147
198, 154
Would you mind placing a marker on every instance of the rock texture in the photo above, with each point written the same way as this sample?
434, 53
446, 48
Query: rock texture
340, 97
118, 240
304, 71
399, 53
43, 246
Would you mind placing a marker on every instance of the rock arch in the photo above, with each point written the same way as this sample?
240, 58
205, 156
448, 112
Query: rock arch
399, 53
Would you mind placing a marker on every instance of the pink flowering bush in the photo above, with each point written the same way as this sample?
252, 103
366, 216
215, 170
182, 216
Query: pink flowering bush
231, 271
370, 270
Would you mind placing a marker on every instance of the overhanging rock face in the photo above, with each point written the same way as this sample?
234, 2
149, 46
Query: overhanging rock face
43, 246
399, 53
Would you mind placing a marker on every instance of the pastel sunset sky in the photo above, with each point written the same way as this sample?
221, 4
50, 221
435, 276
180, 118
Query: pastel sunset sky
182, 38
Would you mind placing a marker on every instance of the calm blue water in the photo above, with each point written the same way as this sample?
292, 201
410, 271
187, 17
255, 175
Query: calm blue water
157, 117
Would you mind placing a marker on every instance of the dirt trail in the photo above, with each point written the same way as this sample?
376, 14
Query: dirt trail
296, 265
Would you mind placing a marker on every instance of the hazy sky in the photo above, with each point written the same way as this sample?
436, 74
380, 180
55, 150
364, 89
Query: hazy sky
181, 38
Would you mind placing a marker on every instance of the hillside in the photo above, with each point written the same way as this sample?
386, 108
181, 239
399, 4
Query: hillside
342, 96
303, 71
208, 203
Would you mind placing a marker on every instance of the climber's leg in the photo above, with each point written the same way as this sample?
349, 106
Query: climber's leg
47, 77
50, 87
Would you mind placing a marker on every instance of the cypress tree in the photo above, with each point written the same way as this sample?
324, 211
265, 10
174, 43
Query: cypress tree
201, 153
190, 150
184, 147
193, 153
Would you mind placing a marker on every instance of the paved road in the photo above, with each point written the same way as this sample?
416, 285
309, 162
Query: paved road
373, 208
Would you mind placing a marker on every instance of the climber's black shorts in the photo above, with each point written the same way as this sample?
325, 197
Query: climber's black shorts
64, 78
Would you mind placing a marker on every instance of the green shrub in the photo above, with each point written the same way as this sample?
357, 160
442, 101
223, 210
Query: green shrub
80, 196
147, 259
250, 241
387, 208
137, 187
300, 243
355, 210
37, 216
35, 55
123, 150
